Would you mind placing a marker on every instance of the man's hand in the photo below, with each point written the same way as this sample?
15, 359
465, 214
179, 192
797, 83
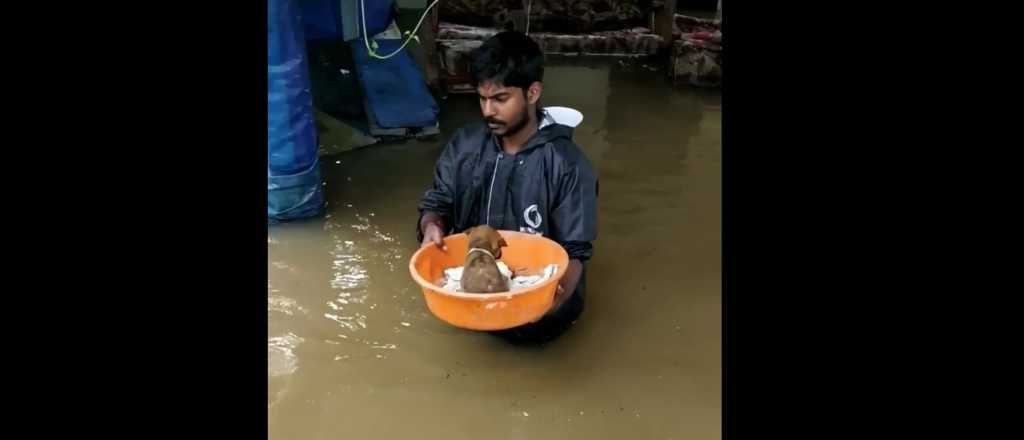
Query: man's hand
559, 293
433, 232
567, 286
556, 302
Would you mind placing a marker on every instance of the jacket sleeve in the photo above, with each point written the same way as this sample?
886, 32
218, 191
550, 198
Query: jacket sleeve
574, 217
441, 196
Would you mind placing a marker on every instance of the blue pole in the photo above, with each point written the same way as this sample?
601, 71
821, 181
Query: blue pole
293, 174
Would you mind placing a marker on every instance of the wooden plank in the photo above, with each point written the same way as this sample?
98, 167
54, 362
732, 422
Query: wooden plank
428, 37
664, 18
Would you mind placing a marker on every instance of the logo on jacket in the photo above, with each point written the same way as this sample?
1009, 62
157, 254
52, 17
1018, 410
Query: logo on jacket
532, 218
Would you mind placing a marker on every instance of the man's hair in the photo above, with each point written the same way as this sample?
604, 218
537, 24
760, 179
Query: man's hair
510, 59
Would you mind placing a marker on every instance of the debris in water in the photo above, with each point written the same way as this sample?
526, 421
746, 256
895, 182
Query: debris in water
337, 162
406, 324
526, 414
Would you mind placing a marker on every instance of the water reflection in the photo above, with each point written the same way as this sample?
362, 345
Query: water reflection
362, 253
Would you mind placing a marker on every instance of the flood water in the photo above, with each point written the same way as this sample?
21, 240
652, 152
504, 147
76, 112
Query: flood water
353, 351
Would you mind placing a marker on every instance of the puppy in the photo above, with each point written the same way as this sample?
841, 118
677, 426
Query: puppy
480, 273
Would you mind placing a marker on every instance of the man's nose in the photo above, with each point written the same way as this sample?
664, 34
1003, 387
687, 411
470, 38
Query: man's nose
489, 109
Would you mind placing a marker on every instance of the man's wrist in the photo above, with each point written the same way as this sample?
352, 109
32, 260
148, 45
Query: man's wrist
435, 224
430, 218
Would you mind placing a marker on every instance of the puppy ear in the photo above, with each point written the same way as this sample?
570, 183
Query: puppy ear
502, 243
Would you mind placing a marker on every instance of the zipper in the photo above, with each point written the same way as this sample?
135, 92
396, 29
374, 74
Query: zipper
490, 192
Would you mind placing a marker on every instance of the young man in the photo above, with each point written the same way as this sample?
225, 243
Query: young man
517, 170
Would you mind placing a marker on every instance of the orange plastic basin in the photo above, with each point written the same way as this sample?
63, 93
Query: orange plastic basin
525, 254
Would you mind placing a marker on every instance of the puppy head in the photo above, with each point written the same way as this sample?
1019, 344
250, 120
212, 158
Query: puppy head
485, 237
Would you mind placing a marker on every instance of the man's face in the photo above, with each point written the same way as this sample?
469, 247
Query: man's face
506, 109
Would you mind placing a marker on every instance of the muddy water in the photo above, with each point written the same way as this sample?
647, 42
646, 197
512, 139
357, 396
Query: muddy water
354, 353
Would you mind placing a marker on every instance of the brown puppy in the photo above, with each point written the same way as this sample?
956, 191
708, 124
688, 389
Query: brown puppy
480, 274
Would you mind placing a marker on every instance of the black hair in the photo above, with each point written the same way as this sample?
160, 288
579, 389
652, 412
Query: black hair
510, 59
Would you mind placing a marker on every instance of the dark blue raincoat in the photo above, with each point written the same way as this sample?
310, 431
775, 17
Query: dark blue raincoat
548, 187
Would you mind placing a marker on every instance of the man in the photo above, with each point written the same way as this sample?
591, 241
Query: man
517, 170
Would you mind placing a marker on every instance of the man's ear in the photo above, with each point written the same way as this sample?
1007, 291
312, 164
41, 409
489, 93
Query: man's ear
534, 91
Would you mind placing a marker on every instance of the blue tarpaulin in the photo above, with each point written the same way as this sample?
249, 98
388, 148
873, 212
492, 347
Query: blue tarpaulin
394, 88
327, 19
321, 19
294, 188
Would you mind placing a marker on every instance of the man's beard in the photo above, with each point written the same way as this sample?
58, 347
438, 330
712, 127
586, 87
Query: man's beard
515, 127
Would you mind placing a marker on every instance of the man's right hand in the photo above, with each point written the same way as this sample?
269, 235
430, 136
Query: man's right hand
433, 232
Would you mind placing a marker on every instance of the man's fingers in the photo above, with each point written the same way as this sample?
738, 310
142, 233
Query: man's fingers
439, 242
